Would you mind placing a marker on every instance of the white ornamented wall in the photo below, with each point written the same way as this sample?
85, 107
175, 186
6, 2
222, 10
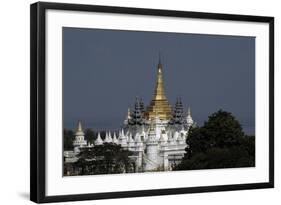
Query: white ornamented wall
14, 103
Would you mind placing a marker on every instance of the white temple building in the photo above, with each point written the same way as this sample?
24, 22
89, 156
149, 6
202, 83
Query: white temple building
156, 135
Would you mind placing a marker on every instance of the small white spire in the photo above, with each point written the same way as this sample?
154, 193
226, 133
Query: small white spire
189, 119
115, 140
128, 117
79, 136
122, 139
109, 137
119, 134
79, 130
129, 114
127, 135
99, 140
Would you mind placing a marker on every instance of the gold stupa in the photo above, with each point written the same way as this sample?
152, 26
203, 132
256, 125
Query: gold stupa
159, 106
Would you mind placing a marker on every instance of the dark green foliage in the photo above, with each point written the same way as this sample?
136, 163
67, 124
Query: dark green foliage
90, 136
108, 158
218, 158
68, 137
219, 143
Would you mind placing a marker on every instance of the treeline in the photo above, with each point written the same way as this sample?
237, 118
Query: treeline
219, 143
107, 158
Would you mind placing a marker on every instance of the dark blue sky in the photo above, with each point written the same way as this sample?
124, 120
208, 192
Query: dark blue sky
104, 70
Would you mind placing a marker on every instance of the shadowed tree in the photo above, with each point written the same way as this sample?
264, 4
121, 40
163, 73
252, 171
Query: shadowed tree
108, 158
90, 136
219, 143
68, 138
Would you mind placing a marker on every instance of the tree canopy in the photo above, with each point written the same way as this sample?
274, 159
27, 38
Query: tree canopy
108, 158
219, 143
68, 138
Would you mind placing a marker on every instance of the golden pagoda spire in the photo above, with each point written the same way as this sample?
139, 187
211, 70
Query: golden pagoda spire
159, 106
79, 129
159, 93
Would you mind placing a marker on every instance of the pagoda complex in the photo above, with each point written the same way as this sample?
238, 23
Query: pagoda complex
156, 134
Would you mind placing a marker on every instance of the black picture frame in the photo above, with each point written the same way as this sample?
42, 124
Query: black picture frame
38, 103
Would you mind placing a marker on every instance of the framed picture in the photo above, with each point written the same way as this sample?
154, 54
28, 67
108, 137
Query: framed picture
129, 102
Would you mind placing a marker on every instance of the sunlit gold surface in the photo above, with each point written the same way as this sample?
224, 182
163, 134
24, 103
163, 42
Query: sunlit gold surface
159, 105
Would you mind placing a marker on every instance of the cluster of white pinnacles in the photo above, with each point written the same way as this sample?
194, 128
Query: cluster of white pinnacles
128, 140
153, 146
156, 145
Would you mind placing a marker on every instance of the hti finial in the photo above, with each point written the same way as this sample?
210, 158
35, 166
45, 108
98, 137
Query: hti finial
188, 111
79, 126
